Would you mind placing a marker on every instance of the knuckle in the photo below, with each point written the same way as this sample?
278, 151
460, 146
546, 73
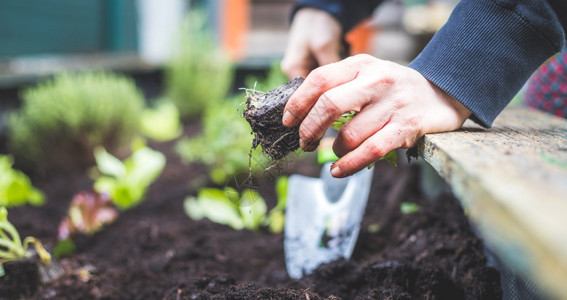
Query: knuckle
374, 151
349, 137
307, 132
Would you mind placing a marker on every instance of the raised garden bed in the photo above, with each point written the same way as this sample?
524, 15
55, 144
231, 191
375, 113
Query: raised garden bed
154, 251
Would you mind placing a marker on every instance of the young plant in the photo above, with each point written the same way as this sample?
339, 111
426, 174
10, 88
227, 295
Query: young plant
239, 211
199, 74
224, 144
62, 120
227, 207
87, 214
161, 123
15, 187
126, 182
11, 245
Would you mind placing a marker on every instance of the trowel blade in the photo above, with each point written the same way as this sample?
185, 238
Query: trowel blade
318, 230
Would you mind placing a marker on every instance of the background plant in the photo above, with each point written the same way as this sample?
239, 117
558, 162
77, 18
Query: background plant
224, 143
62, 120
15, 186
126, 182
199, 74
11, 245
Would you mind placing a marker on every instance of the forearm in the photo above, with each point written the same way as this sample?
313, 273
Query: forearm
348, 13
488, 49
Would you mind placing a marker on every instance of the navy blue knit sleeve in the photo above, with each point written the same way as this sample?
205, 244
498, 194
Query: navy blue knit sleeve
488, 49
348, 13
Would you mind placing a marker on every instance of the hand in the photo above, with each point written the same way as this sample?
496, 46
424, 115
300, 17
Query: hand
314, 40
395, 107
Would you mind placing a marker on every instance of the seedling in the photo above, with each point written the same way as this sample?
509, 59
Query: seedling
15, 186
126, 182
87, 214
247, 210
12, 247
409, 208
161, 122
228, 207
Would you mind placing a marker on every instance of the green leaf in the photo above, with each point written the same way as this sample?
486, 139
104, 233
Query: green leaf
281, 192
409, 208
64, 248
252, 209
162, 122
108, 164
215, 206
15, 187
127, 182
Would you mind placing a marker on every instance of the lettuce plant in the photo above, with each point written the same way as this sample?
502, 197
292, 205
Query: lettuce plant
11, 245
87, 214
126, 182
15, 186
247, 210
161, 122
228, 207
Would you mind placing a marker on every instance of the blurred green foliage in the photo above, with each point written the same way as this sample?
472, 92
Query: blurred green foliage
199, 74
15, 187
62, 120
224, 144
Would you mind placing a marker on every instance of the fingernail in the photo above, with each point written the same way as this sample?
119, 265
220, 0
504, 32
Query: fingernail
287, 118
336, 171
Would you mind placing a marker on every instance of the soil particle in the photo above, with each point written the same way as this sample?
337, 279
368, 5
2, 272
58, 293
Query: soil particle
264, 112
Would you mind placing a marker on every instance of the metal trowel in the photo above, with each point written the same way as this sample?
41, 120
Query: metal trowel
323, 218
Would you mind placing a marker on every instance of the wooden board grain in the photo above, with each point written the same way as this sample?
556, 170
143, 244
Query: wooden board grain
512, 182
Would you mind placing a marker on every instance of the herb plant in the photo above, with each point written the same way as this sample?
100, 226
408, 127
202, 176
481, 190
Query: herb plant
63, 119
199, 74
15, 186
11, 245
126, 182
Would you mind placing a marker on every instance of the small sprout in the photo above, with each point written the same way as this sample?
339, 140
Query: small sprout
126, 182
373, 228
11, 246
409, 208
162, 122
15, 187
87, 214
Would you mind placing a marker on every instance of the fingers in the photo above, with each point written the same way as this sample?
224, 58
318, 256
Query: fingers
315, 85
364, 124
372, 149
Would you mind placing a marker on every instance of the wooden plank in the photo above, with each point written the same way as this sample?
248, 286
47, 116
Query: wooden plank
512, 182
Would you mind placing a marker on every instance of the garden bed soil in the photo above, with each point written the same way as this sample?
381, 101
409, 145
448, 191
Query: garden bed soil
154, 251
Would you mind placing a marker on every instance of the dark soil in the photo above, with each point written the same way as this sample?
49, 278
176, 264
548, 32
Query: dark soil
154, 251
264, 112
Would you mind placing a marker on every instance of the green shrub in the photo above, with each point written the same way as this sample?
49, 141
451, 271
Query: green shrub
199, 74
62, 120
